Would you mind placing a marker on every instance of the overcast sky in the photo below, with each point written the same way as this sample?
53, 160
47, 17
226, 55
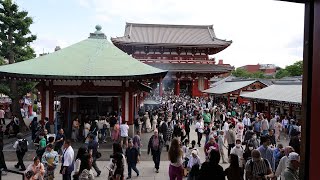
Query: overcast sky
262, 31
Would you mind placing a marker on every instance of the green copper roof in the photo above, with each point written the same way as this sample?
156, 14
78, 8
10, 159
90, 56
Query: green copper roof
93, 58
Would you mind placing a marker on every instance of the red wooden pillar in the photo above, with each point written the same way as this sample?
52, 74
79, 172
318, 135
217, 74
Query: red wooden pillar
51, 106
177, 88
123, 101
43, 100
252, 106
131, 112
160, 87
269, 113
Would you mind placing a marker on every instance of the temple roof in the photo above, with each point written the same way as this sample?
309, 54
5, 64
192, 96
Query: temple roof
281, 92
229, 86
190, 67
93, 58
164, 34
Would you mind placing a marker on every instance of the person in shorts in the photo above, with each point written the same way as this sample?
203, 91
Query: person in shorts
124, 128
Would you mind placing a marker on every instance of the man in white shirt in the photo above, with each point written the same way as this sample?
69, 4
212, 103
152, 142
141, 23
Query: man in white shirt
246, 121
199, 130
124, 128
67, 165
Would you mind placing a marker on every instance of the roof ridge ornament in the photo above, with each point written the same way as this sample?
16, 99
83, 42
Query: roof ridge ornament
98, 34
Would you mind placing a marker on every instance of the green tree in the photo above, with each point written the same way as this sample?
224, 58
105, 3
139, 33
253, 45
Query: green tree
258, 74
295, 69
15, 39
239, 72
282, 73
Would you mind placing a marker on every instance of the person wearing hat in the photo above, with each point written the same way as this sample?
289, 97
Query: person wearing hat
50, 160
21, 147
292, 170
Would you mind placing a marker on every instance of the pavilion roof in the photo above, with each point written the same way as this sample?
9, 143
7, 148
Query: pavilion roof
94, 58
229, 86
164, 34
290, 93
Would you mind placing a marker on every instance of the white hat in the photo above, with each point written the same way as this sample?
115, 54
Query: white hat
293, 156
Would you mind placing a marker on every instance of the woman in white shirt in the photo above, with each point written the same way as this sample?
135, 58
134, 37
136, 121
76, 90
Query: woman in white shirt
81, 152
175, 156
86, 130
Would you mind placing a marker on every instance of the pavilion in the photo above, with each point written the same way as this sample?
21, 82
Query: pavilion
91, 77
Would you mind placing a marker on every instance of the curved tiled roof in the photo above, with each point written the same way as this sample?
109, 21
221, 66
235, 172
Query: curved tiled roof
282, 92
164, 34
228, 87
93, 58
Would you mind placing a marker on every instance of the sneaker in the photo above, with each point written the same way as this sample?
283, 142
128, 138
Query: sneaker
157, 171
128, 177
98, 173
16, 166
138, 175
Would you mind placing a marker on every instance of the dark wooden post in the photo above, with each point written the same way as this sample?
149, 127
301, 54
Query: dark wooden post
310, 137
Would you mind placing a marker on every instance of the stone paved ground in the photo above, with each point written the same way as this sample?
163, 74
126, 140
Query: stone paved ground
145, 166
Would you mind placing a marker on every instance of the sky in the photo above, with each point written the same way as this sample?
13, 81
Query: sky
262, 31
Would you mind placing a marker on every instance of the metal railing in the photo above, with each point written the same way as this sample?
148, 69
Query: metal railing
12, 171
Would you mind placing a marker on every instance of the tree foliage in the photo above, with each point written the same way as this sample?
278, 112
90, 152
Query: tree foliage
282, 73
239, 72
296, 69
15, 39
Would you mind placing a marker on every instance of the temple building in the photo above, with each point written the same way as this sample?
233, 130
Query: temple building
182, 50
90, 79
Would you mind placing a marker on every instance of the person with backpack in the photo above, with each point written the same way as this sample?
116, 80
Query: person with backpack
3, 165
258, 167
21, 147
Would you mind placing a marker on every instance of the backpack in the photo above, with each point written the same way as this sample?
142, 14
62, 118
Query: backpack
23, 146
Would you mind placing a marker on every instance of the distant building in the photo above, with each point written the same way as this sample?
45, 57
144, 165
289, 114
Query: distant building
267, 69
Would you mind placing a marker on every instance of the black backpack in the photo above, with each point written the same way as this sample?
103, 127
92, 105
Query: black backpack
23, 146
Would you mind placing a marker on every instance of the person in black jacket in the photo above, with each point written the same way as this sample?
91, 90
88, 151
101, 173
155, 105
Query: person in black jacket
212, 169
132, 155
155, 146
3, 165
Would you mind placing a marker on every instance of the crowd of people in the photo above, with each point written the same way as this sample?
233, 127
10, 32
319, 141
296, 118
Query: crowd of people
247, 140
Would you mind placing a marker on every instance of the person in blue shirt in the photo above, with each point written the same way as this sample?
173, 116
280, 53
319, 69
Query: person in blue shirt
278, 153
266, 151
